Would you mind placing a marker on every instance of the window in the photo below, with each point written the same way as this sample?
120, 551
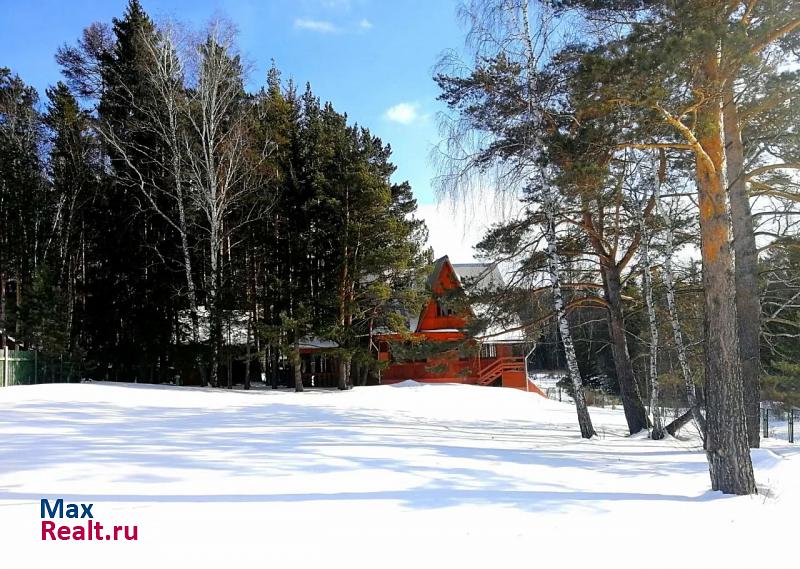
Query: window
441, 310
488, 351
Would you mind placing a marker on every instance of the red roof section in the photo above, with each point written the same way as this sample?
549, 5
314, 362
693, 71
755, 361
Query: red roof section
443, 280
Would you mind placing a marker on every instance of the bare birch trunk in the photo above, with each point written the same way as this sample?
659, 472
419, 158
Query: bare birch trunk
216, 154
215, 322
164, 122
554, 265
647, 287
247, 351
677, 334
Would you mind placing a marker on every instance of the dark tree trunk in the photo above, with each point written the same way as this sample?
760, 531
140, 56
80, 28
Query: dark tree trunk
635, 412
2, 309
297, 364
215, 327
230, 368
680, 422
748, 307
727, 448
273, 367
247, 363
344, 371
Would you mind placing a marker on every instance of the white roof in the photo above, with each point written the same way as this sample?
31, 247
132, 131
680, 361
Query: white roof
312, 342
499, 333
480, 276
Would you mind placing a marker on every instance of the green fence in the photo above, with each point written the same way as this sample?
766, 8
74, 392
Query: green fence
30, 367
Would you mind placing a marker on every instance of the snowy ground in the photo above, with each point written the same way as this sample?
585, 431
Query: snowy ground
409, 476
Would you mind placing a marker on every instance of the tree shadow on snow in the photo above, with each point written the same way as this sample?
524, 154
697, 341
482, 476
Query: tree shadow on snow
461, 462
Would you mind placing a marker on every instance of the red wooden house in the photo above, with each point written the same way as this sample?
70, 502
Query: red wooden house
498, 358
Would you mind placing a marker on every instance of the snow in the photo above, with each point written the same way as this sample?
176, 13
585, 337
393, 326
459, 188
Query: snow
410, 475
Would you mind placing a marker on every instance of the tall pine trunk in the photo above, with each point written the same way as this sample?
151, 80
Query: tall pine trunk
344, 307
635, 412
344, 371
748, 307
727, 449
554, 265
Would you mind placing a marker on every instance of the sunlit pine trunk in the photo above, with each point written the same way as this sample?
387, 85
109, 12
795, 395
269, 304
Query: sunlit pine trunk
727, 448
748, 307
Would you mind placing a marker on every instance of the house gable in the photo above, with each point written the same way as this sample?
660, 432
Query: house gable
436, 316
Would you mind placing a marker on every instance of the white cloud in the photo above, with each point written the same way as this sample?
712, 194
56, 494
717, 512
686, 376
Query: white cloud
403, 113
321, 26
365, 24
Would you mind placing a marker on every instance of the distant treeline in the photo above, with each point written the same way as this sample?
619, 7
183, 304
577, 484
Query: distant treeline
150, 196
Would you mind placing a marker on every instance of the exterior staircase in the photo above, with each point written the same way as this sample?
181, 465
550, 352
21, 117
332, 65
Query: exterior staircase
495, 369
508, 372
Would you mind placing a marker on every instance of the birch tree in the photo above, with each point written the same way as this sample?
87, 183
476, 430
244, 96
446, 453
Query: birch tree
668, 278
162, 116
665, 67
510, 115
167, 81
657, 432
550, 211
222, 165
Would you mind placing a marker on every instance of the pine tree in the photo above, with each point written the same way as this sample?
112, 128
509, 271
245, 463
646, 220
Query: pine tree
669, 51
510, 97
131, 287
24, 200
73, 169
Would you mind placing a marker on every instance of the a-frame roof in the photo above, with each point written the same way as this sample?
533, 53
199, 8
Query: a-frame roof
480, 276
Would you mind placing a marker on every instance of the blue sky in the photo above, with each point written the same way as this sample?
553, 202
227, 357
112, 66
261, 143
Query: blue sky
372, 58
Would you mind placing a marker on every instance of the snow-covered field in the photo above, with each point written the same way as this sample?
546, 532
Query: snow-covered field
401, 476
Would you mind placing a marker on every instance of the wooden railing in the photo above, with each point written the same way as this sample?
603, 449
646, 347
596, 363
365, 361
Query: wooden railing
496, 368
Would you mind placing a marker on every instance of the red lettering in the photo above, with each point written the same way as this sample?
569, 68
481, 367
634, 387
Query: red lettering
47, 528
63, 532
78, 533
